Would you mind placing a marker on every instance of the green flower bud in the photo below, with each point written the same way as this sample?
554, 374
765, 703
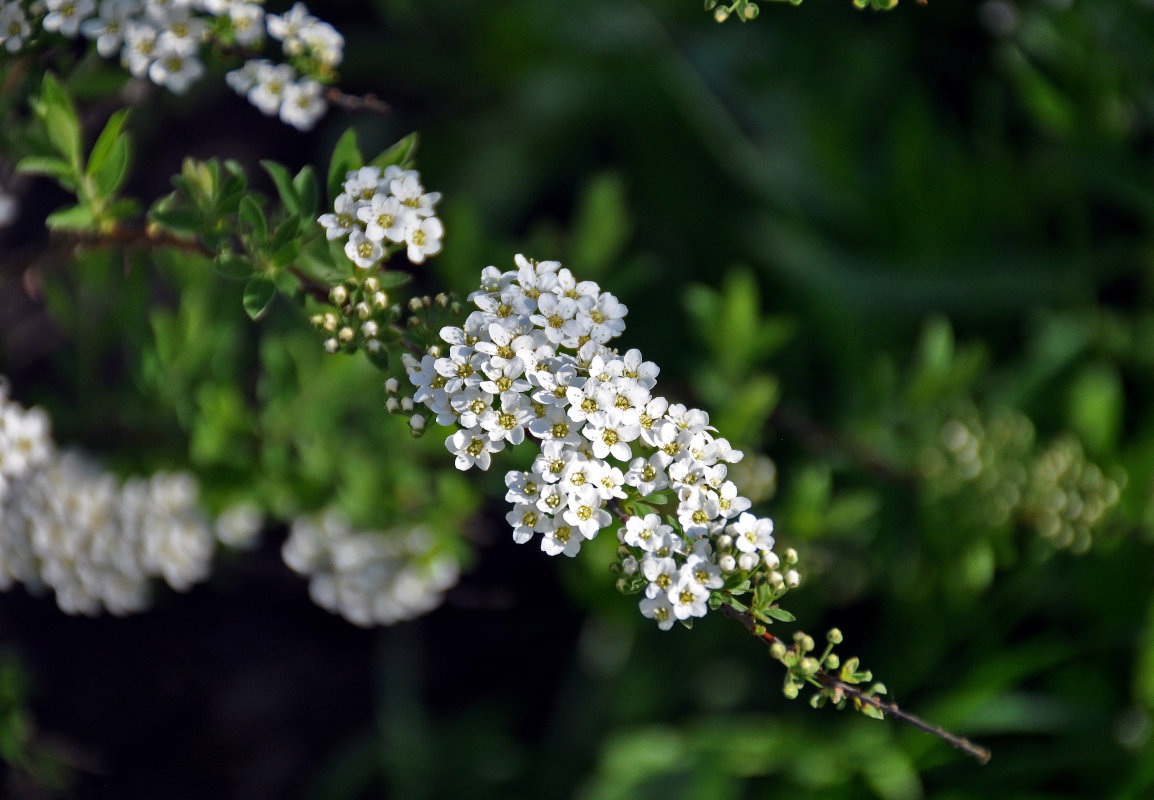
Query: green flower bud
834, 636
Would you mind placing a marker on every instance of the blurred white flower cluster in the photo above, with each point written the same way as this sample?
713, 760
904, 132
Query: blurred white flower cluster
70, 527
161, 40
369, 577
531, 361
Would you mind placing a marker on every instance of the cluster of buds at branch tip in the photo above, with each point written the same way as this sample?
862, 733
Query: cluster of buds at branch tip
362, 312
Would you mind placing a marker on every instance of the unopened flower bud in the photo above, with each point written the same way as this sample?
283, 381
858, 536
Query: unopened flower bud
747, 561
804, 641
751, 11
372, 284
832, 662
392, 385
346, 334
790, 688
771, 560
792, 578
790, 557
834, 636
435, 350
727, 563
721, 14
777, 651
427, 301
442, 300
629, 565
415, 304
373, 345
406, 404
316, 320
339, 295
369, 330
332, 345
808, 665
392, 405
380, 300
414, 322
330, 322
363, 310
455, 308
724, 542
417, 425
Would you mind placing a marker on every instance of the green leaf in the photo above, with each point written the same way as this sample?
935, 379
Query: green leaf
393, 280
107, 140
286, 254
287, 232
71, 218
59, 116
258, 295
252, 216
125, 208
1096, 406
110, 174
780, 614
309, 192
174, 218
346, 157
233, 266
52, 166
399, 154
284, 185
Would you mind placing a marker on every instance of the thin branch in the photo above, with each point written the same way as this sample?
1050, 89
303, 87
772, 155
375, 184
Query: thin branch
890, 709
353, 102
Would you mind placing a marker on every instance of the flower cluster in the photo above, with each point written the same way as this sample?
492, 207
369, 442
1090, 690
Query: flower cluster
379, 208
532, 361
369, 578
161, 40
1056, 491
70, 527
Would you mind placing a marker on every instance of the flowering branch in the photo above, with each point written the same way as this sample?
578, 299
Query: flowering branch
836, 687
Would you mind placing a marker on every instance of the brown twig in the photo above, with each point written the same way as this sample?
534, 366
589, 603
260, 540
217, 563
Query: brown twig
353, 102
889, 709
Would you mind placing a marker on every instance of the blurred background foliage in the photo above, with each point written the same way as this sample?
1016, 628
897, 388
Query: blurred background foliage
906, 256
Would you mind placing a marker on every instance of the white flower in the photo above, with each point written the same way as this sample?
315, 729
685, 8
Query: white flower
647, 475
660, 609
751, 533
343, 219
302, 104
139, 48
688, 597
385, 218
65, 16
287, 27
174, 69
473, 447
424, 239
526, 520
108, 28
646, 532
271, 82
585, 512
247, 22
14, 27
362, 250
560, 539
611, 431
